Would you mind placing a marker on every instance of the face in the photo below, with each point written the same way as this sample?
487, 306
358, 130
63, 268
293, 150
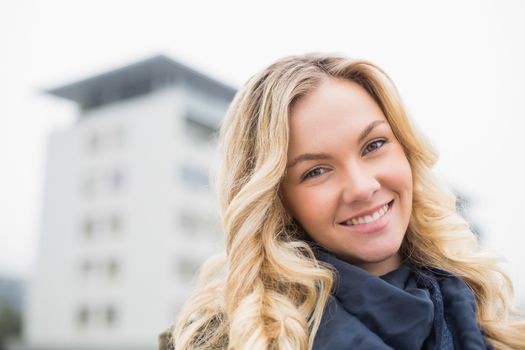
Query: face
348, 182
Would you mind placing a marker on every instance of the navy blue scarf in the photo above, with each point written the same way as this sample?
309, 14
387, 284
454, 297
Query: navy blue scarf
406, 309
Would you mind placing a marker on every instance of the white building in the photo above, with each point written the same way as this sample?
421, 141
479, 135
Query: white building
128, 212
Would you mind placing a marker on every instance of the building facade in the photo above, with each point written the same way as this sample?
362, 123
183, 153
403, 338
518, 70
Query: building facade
129, 213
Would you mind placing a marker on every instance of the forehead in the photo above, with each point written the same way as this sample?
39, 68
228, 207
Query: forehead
336, 110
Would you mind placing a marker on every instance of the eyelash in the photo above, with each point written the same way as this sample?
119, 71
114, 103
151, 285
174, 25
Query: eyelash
382, 141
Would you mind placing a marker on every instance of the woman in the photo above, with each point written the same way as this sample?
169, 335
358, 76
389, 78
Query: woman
338, 234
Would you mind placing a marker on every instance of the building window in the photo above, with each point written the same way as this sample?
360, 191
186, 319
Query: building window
88, 185
88, 227
100, 268
194, 176
93, 142
99, 226
105, 140
188, 220
115, 223
110, 315
86, 267
119, 136
117, 179
98, 316
82, 316
187, 268
113, 268
112, 180
196, 131
196, 223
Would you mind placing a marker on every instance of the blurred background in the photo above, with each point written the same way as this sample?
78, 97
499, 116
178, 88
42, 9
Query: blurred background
108, 115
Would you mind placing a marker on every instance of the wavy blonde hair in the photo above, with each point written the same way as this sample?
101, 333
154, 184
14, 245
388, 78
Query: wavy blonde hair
267, 291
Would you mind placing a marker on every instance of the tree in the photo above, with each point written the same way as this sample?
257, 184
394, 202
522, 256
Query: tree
10, 323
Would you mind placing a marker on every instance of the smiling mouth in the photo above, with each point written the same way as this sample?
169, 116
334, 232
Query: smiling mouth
367, 219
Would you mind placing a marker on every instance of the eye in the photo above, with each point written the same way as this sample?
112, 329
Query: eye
313, 173
373, 146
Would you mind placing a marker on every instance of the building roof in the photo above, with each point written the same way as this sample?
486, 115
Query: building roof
137, 79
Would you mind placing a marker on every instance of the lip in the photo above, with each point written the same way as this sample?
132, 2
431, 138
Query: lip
368, 212
372, 227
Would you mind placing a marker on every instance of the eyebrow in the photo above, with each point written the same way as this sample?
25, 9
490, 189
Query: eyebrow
317, 156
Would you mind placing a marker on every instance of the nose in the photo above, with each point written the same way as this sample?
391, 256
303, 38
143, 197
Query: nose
359, 183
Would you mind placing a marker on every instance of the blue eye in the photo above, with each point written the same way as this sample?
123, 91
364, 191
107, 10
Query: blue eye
313, 173
374, 146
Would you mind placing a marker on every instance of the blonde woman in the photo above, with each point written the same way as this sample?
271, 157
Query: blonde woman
338, 235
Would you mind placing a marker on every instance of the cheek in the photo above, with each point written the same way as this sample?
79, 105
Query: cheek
399, 171
407, 177
309, 205
403, 175
400, 180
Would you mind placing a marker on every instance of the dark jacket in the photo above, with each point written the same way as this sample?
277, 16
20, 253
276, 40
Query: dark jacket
407, 309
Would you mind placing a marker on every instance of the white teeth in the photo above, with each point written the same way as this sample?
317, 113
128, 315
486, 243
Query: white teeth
368, 218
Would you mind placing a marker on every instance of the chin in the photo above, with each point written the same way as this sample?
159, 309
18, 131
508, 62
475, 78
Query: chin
386, 256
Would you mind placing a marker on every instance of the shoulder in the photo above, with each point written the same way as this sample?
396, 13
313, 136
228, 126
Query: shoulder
166, 340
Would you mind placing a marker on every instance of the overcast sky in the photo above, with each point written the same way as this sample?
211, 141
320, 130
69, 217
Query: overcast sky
458, 66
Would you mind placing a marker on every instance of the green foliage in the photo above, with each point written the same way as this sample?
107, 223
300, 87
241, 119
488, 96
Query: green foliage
10, 323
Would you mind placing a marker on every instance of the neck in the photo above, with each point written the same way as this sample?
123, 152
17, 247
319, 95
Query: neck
382, 267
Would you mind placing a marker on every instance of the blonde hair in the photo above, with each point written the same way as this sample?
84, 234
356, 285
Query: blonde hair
267, 291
